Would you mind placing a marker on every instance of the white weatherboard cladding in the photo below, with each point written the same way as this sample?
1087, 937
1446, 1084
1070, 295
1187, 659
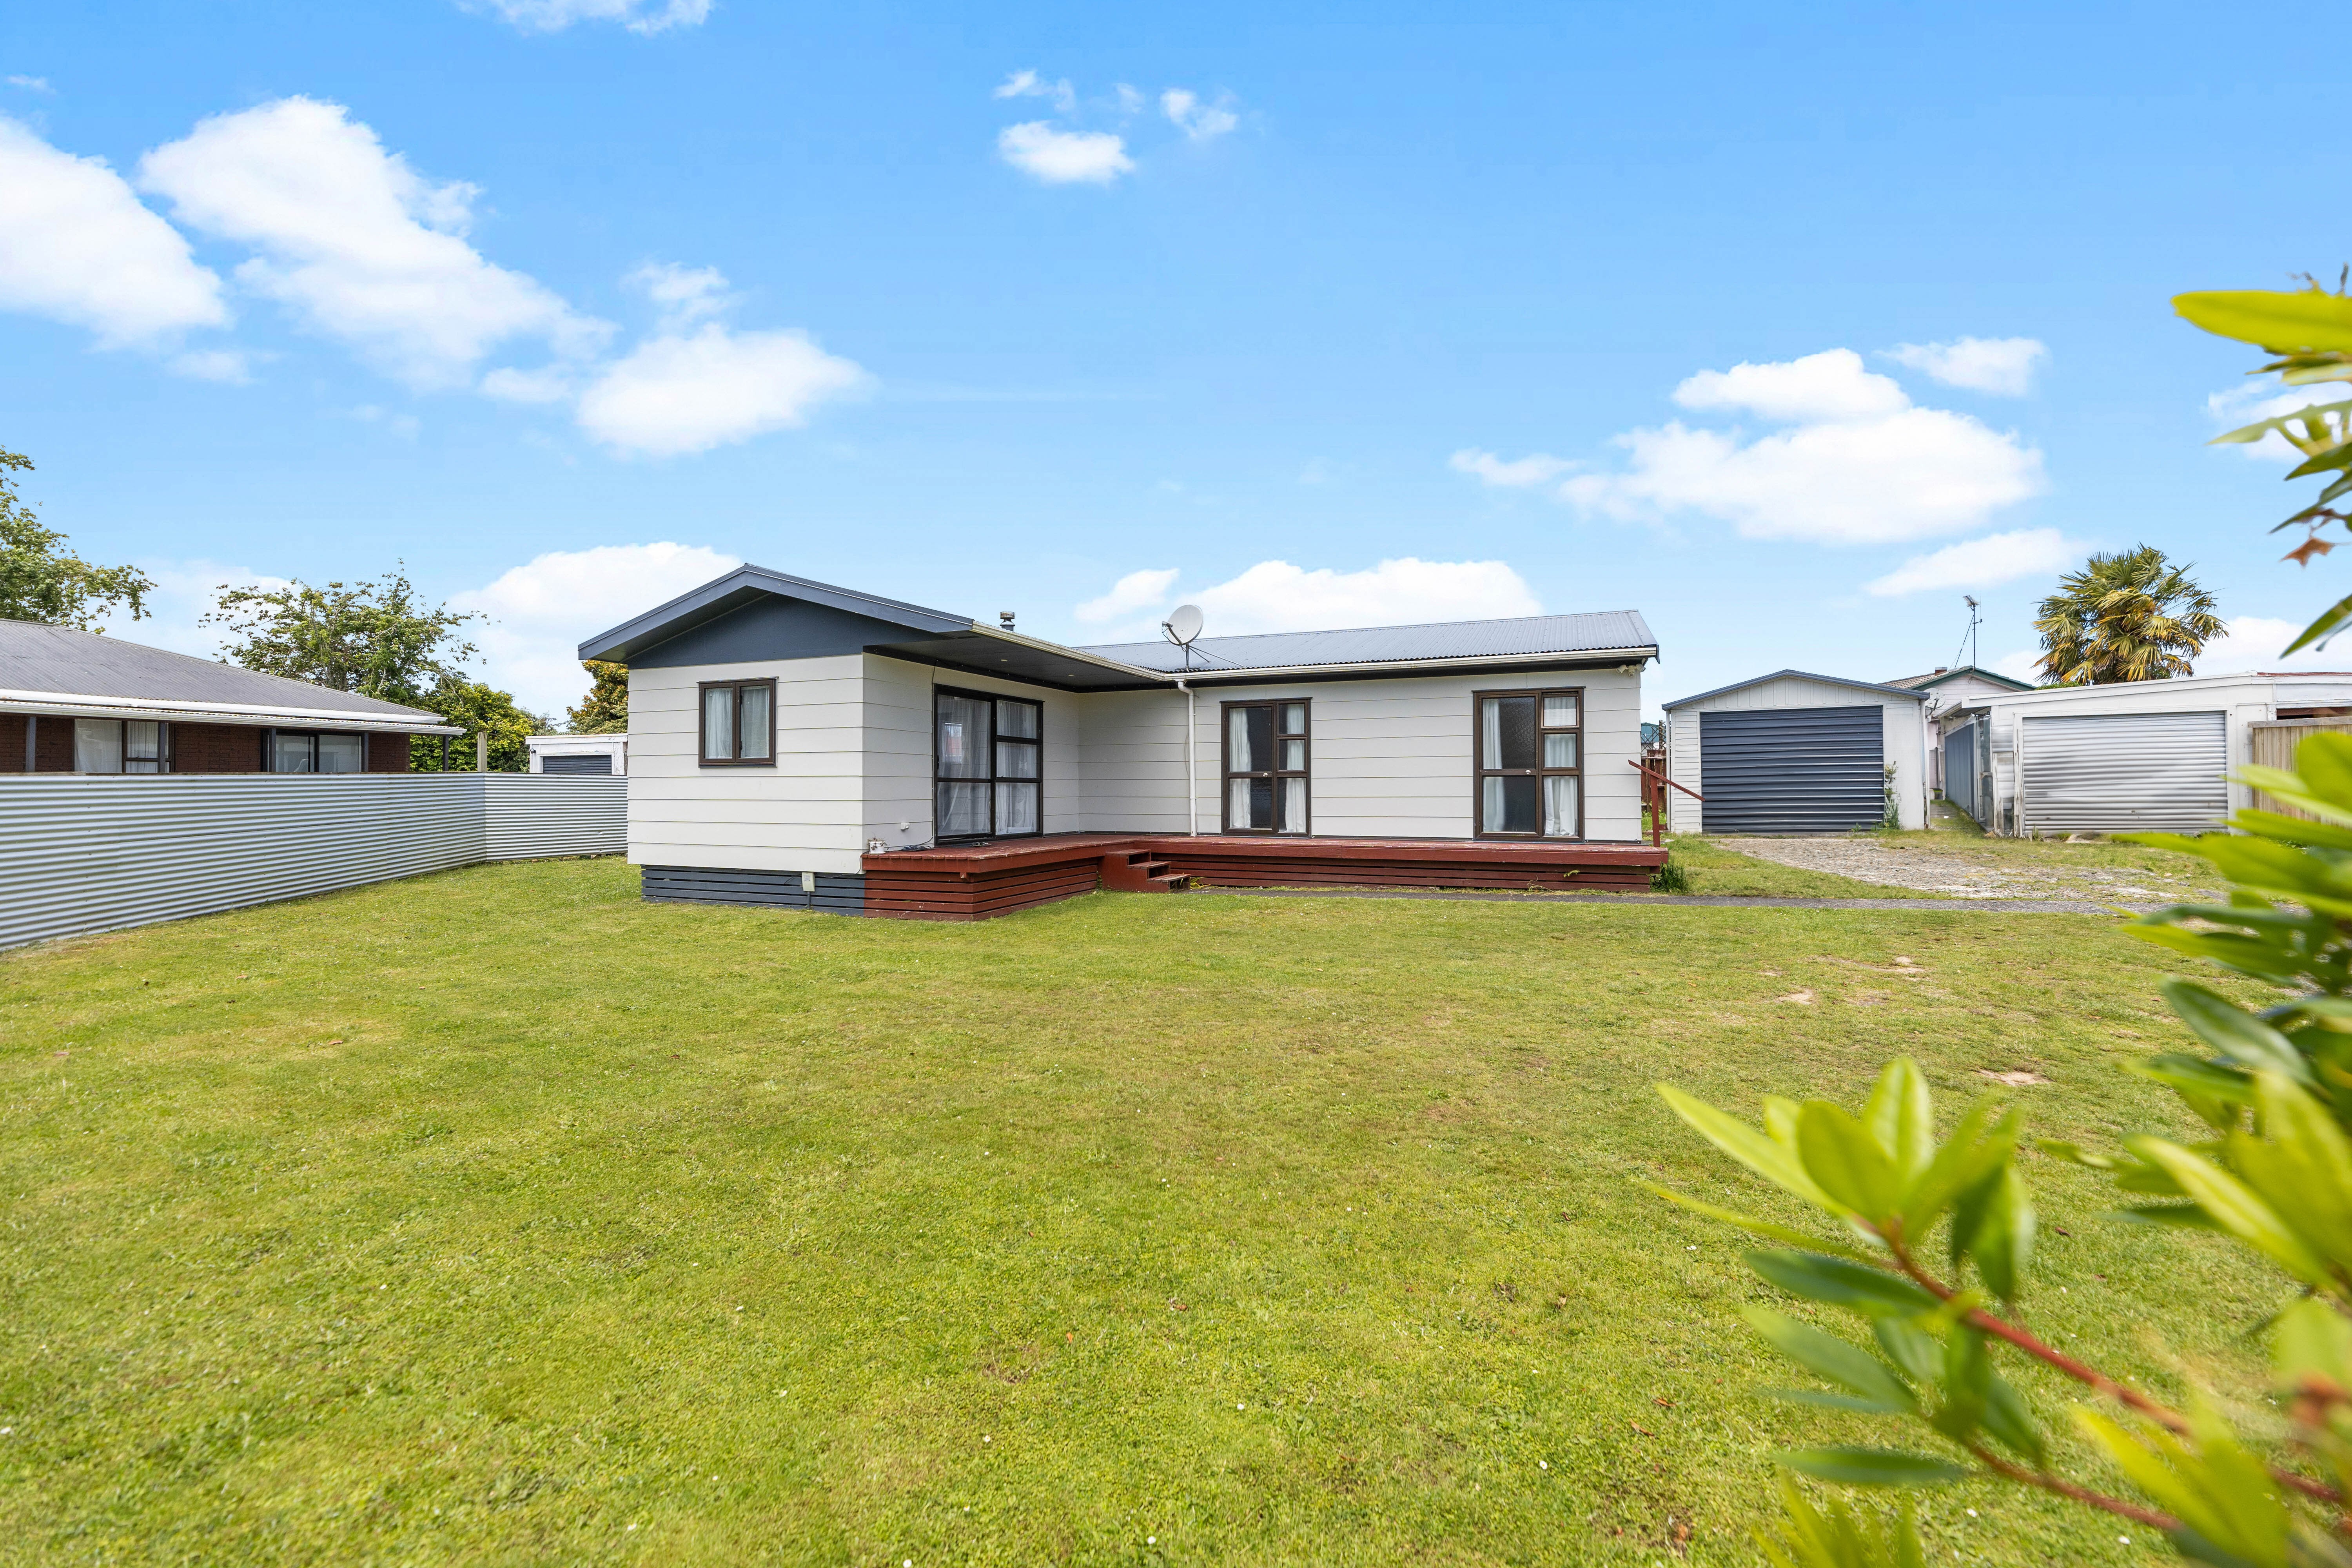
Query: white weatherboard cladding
1905, 741
2127, 772
898, 743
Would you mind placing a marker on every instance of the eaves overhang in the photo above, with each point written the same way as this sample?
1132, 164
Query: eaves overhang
67, 705
745, 585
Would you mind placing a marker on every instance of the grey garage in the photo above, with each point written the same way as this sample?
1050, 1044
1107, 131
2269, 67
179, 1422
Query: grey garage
1793, 753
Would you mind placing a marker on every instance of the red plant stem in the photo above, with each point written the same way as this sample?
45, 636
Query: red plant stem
2066, 1488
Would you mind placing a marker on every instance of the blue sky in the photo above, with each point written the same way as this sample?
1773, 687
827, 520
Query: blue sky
568, 303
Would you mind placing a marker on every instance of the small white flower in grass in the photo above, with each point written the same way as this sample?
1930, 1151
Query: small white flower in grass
1543, 1464
1972, 1513
984, 1439
2123, 1541
633, 1527
1237, 1406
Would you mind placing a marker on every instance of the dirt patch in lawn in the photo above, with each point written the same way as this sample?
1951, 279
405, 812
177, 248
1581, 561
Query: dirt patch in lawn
1964, 873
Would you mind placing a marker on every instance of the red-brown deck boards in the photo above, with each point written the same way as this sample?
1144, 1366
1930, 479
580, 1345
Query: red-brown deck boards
978, 881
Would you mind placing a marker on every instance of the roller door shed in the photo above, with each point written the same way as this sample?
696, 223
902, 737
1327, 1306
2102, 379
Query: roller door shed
1793, 770
2127, 772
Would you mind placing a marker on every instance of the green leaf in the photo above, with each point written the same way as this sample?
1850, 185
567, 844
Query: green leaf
1763, 1228
1908, 1347
2237, 1034
1847, 1162
2323, 763
2330, 620
2312, 1339
1752, 1149
1901, 1117
2075, 1154
2003, 1243
1822, 1399
2236, 1208
2009, 1423
2301, 1166
1841, 1283
1873, 1466
2182, 1216
2303, 322
1833, 1360
1966, 1378
1962, 1161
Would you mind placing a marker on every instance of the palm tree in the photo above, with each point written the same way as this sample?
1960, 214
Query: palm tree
2132, 615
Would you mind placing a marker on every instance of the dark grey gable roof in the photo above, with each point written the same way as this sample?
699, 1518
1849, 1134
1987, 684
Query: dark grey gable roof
744, 586
1592, 635
1798, 675
66, 663
1938, 677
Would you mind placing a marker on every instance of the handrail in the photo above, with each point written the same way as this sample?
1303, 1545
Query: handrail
1663, 779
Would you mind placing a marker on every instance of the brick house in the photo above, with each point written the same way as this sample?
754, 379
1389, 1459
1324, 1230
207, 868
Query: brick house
75, 702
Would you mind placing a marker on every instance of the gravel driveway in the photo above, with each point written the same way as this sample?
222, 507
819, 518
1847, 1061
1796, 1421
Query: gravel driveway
1959, 875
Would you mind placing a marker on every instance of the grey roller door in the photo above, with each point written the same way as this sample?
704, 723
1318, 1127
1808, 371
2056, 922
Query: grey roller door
1791, 770
2127, 772
1960, 771
601, 762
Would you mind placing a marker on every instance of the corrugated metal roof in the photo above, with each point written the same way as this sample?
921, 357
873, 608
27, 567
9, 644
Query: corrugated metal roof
1600, 631
1796, 675
38, 658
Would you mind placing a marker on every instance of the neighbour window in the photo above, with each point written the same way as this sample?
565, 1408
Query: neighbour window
119, 746
311, 752
1265, 767
142, 746
987, 765
1530, 755
739, 724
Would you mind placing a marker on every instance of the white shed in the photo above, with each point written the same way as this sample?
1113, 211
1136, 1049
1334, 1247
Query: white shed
578, 754
1792, 753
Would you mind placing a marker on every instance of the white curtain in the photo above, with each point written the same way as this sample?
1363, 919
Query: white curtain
1490, 743
718, 723
1293, 805
1560, 806
98, 745
1238, 810
755, 721
1238, 743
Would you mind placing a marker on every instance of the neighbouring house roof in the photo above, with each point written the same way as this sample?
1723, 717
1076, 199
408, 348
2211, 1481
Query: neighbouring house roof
1598, 633
720, 623
57, 670
1799, 675
1938, 677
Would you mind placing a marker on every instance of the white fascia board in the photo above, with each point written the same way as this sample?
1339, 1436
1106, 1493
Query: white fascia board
1414, 667
46, 704
998, 634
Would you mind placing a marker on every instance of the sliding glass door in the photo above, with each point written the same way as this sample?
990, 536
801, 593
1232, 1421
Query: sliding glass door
1265, 767
988, 766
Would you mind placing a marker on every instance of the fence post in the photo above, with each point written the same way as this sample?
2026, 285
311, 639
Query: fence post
482, 752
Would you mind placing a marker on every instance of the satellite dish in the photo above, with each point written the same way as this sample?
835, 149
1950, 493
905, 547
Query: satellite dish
1182, 624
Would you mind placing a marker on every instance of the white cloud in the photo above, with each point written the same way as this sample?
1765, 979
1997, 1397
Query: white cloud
358, 244
550, 384
39, 84
2251, 402
1130, 99
641, 17
1861, 466
2253, 642
1276, 597
213, 365
76, 246
676, 393
2025, 665
1029, 84
1515, 473
682, 295
1198, 120
2001, 365
1831, 386
1982, 562
1137, 591
539, 613
1064, 157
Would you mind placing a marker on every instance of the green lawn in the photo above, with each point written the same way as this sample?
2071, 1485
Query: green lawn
499, 1216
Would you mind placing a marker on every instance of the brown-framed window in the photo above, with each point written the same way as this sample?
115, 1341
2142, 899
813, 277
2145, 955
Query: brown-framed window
1530, 757
312, 751
738, 727
988, 765
1265, 767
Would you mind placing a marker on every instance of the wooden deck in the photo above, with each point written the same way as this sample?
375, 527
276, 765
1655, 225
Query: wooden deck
972, 882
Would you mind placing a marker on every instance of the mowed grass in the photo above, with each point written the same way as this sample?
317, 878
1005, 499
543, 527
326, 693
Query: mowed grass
1717, 872
499, 1217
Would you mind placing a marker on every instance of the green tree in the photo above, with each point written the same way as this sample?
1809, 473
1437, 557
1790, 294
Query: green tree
2132, 615
377, 639
605, 709
40, 581
477, 708
1928, 1240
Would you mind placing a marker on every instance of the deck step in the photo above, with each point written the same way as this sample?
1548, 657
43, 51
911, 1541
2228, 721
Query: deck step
1165, 882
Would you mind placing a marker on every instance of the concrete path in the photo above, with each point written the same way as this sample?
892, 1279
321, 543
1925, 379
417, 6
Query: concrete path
1940, 905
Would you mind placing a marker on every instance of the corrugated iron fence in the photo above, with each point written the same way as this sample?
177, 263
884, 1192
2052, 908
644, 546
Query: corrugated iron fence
90, 853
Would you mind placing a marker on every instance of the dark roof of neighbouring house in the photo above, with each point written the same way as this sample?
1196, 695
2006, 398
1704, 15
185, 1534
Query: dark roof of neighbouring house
1938, 677
1597, 632
1798, 675
42, 660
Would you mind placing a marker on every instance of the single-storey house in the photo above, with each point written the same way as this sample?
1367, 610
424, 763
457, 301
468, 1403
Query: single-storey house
2131, 756
796, 743
1792, 753
578, 754
75, 702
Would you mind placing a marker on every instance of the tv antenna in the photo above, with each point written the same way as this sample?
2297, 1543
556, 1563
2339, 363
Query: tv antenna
1181, 626
1968, 637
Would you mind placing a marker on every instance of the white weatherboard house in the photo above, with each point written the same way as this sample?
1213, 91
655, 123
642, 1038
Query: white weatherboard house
798, 744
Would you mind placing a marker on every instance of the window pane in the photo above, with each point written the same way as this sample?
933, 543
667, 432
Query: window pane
1490, 805
340, 753
963, 738
1509, 804
1237, 804
1293, 805
1513, 735
98, 745
1559, 751
1294, 756
142, 746
1017, 719
1016, 761
1238, 755
1016, 808
291, 754
1262, 798
962, 810
718, 723
1293, 717
1559, 711
1560, 808
1261, 736
754, 718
